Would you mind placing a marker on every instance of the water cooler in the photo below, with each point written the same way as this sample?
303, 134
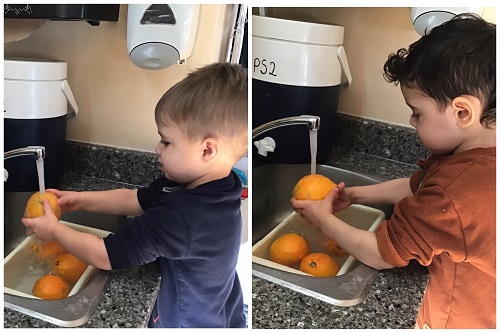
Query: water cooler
297, 70
36, 95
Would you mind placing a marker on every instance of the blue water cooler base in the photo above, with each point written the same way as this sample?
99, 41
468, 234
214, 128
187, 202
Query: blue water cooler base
271, 101
20, 133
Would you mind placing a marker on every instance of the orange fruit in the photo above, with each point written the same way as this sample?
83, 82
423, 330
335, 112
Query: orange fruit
46, 249
68, 267
319, 264
34, 206
313, 187
332, 246
289, 249
50, 287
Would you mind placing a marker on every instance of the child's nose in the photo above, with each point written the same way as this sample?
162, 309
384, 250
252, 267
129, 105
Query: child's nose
157, 148
412, 122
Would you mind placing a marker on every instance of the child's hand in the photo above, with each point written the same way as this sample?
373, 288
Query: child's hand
343, 201
42, 227
316, 212
67, 200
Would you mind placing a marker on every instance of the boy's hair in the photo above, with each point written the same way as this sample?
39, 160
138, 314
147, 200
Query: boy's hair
456, 58
210, 102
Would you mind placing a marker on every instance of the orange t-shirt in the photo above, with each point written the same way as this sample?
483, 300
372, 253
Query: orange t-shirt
449, 225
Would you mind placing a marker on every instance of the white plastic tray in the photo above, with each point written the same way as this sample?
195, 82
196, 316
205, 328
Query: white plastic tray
359, 216
18, 280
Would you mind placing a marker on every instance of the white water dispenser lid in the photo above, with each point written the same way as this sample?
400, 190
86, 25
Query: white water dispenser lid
297, 53
36, 89
297, 31
35, 69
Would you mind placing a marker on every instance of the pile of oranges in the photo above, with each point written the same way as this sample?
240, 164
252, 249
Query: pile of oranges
291, 249
65, 269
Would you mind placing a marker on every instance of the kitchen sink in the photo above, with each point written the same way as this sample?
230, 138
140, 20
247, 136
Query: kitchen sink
74, 310
272, 190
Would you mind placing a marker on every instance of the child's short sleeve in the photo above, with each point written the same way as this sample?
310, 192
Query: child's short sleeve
159, 232
145, 195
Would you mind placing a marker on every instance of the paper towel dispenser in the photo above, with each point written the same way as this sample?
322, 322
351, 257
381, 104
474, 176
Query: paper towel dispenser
92, 13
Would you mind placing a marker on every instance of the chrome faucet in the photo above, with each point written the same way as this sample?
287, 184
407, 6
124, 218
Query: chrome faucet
38, 152
312, 122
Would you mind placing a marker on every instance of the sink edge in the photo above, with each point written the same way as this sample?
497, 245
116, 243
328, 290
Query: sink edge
346, 290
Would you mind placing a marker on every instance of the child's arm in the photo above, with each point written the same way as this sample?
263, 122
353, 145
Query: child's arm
117, 202
86, 247
361, 244
389, 192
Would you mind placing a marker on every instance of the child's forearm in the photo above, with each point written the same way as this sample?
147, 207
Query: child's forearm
389, 192
116, 202
361, 244
86, 247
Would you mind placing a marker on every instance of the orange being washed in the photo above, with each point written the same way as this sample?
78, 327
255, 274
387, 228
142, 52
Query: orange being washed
51, 287
320, 265
289, 249
68, 267
34, 206
313, 187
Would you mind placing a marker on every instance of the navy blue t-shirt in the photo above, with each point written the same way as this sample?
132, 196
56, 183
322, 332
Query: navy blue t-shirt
194, 235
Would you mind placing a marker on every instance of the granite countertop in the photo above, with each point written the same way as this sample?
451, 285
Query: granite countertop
131, 293
394, 298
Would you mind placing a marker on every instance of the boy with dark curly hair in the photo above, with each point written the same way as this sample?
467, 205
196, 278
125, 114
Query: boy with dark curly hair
444, 215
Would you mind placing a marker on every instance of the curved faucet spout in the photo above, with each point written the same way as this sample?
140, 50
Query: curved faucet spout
312, 122
36, 151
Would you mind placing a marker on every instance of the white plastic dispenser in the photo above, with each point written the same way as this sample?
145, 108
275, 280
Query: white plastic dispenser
298, 68
159, 36
426, 18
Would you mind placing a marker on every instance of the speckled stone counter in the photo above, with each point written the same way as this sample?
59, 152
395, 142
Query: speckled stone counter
130, 296
367, 147
380, 150
393, 302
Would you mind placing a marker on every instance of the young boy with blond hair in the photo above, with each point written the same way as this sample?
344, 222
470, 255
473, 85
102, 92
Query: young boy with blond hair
444, 215
188, 220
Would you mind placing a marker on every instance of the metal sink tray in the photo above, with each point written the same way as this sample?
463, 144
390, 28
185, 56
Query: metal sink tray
74, 310
272, 190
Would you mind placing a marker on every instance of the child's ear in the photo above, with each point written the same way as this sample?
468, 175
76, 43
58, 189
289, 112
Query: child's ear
466, 109
210, 149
